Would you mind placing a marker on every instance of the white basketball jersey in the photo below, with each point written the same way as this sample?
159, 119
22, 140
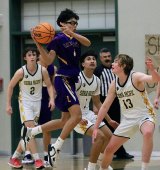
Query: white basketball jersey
31, 85
134, 103
86, 88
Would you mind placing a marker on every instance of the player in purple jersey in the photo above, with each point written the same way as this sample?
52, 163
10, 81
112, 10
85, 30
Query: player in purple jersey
67, 47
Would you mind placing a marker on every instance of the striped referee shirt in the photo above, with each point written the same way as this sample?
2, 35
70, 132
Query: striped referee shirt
106, 76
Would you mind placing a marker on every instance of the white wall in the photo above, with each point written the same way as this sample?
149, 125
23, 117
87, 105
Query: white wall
5, 125
137, 18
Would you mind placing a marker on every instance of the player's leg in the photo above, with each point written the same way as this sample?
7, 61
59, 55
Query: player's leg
74, 119
114, 143
15, 161
33, 147
85, 127
96, 148
147, 129
28, 133
107, 133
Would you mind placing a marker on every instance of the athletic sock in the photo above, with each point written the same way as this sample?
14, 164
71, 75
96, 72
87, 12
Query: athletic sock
91, 166
16, 154
144, 166
100, 156
27, 153
36, 156
58, 144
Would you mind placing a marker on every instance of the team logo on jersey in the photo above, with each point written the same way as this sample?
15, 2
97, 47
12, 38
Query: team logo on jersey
83, 84
26, 76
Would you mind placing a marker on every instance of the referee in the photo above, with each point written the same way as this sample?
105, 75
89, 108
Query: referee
104, 72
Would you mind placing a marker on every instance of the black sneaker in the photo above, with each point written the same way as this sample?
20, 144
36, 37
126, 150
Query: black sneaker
28, 159
124, 156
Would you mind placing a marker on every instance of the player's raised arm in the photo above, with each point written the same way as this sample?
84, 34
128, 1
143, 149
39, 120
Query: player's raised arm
82, 39
155, 76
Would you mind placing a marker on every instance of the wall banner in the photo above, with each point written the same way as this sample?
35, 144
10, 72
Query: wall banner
152, 49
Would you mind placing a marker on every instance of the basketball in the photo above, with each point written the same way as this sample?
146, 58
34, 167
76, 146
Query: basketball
44, 33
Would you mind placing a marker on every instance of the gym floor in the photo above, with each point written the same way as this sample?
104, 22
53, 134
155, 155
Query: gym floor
79, 162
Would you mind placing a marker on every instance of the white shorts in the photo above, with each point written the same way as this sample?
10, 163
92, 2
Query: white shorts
29, 110
129, 126
91, 119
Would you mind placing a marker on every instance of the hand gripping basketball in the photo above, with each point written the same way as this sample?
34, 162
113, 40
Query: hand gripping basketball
44, 33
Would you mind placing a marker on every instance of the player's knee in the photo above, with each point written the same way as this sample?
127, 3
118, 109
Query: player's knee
79, 118
147, 134
109, 149
101, 137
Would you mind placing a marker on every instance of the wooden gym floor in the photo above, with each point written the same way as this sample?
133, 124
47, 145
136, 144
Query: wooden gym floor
79, 162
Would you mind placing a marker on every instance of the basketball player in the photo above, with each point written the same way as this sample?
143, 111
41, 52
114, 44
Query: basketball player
67, 47
138, 112
88, 87
30, 78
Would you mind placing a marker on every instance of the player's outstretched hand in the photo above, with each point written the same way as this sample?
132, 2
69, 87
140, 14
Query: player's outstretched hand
149, 63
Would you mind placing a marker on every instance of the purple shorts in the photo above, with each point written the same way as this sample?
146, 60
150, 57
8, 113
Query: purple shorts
66, 93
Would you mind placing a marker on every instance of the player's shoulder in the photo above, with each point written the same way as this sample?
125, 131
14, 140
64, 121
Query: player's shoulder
19, 73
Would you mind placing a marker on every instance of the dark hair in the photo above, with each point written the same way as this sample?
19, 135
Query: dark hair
127, 61
66, 15
104, 50
33, 49
86, 54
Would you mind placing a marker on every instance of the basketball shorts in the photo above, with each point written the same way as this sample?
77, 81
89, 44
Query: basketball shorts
29, 110
129, 126
66, 93
45, 113
91, 119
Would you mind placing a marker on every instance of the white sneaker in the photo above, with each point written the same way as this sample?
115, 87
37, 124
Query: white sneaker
52, 154
109, 168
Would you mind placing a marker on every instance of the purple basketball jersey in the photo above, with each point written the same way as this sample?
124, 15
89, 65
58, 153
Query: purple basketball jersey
68, 51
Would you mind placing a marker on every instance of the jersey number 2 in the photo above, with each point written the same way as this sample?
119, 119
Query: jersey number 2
32, 89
